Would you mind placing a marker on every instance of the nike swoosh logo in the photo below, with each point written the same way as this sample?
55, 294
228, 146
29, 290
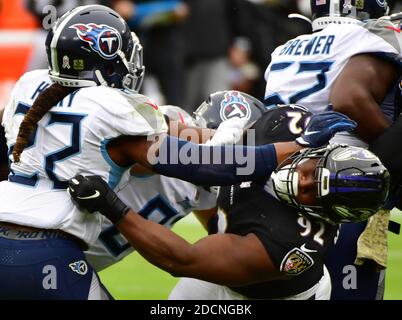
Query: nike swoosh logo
307, 133
95, 195
303, 248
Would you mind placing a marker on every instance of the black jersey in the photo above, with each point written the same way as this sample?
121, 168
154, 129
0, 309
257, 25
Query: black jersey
296, 244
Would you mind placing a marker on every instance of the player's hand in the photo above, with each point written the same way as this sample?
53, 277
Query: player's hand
322, 127
93, 194
228, 132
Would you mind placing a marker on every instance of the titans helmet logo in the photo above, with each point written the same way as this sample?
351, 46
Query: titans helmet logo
79, 267
104, 40
234, 105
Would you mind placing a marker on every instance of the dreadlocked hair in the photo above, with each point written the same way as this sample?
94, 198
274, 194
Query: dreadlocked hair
43, 103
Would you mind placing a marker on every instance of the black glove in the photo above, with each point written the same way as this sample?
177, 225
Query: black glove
94, 194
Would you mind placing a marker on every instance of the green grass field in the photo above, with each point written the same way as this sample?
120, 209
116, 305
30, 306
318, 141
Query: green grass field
136, 279
393, 280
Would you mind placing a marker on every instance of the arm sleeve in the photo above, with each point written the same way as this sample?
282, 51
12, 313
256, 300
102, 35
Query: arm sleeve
214, 165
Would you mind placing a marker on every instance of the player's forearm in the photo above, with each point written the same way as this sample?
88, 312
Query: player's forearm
173, 254
204, 216
285, 149
357, 92
157, 244
217, 165
367, 113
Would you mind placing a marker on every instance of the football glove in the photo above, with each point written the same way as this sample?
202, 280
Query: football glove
322, 127
93, 194
228, 132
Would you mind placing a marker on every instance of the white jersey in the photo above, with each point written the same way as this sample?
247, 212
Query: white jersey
158, 198
70, 139
305, 68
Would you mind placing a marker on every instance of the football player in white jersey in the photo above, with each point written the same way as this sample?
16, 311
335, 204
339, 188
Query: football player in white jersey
88, 46
166, 200
158, 198
354, 64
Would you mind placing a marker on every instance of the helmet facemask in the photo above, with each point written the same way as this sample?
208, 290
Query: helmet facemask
345, 12
348, 189
133, 80
286, 179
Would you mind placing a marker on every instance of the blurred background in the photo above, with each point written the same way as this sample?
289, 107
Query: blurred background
191, 49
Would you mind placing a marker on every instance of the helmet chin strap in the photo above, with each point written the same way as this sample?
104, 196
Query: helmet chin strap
100, 78
123, 59
299, 16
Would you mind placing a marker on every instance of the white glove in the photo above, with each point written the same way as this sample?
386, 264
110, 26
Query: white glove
228, 132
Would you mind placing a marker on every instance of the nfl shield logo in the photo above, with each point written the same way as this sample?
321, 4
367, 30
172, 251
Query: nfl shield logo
320, 2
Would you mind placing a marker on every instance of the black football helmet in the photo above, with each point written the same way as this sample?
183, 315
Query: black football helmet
91, 46
352, 183
223, 105
325, 12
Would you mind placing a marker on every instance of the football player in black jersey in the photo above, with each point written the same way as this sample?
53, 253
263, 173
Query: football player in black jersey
284, 244
269, 250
